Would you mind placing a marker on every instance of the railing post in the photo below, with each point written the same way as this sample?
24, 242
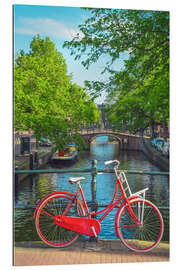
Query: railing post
93, 182
94, 204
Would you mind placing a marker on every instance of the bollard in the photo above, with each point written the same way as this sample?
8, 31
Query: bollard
16, 177
94, 204
15, 185
31, 161
36, 160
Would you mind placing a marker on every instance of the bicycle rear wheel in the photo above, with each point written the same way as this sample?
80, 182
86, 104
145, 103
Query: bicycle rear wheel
50, 233
147, 235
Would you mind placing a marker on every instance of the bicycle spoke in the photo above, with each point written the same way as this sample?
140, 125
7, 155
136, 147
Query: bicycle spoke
49, 232
46, 213
141, 237
128, 226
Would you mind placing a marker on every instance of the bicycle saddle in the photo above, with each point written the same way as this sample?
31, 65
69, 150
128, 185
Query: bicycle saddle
75, 180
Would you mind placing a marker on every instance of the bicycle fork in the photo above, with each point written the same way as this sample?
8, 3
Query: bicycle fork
140, 213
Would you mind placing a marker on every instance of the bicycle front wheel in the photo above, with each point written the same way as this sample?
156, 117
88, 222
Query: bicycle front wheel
51, 233
147, 234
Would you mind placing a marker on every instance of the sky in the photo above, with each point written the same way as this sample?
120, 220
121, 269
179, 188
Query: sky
60, 23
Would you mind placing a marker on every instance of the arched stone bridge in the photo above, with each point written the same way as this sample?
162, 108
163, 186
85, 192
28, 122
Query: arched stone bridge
126, 141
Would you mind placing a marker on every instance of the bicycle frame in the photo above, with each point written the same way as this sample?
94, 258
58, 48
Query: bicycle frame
112, 204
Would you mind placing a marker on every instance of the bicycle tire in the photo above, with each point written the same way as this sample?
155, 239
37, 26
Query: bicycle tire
146, 236
50, 233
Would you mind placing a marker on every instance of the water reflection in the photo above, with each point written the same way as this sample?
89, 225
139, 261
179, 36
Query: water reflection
33, 189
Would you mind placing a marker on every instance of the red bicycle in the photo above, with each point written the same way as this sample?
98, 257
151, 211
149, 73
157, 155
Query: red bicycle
61, 216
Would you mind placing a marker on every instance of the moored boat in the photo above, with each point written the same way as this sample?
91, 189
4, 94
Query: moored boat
69, 153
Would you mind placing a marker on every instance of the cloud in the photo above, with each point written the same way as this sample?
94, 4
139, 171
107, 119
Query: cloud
46, 27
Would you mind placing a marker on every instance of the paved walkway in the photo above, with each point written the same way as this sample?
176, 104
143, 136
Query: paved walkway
85, 252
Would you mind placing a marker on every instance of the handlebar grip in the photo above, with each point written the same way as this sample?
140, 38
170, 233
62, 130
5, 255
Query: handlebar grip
111, 161
108, 162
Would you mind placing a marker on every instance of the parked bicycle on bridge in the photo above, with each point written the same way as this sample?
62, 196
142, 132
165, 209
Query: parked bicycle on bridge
61, 216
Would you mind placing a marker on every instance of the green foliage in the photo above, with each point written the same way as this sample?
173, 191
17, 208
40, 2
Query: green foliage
46, 101
139, 91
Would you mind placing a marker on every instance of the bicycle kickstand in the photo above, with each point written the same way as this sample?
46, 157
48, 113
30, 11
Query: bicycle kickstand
95, 237
94, 231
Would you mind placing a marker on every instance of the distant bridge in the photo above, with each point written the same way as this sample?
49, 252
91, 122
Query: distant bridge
126, 141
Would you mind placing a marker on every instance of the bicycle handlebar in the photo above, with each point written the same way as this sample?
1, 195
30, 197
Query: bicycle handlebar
112, 161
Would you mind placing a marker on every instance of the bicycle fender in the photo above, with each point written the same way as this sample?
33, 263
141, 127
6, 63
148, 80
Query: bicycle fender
53, 193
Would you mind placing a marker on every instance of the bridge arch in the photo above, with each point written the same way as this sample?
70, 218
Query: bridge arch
118, 139
126, 141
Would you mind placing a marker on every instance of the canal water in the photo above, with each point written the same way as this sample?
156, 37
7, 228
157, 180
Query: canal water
33, 189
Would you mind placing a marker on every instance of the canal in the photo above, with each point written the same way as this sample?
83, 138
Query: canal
36, 187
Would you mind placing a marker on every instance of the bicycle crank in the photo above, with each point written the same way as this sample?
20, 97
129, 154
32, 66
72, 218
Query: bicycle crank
87, 226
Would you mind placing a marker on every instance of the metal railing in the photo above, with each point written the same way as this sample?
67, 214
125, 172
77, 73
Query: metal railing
93, 170
46, 171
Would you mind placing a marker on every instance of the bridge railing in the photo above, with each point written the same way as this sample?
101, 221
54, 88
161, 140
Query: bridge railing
46, 171
93, 170
98, 130
109, 131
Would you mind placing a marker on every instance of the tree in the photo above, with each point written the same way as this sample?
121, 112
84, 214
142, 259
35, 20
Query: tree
139, 90
146, 105
46, 101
